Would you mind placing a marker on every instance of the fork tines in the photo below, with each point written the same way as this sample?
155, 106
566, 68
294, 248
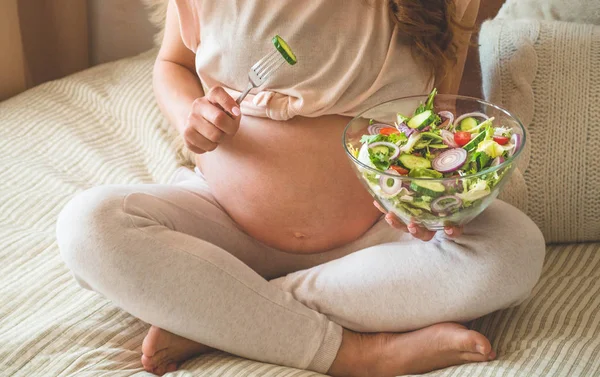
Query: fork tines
268, 64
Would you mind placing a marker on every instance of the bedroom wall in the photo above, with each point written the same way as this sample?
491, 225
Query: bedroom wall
118, 28
12, 73
40, 40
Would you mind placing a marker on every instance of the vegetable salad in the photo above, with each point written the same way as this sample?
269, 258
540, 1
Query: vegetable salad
434, 144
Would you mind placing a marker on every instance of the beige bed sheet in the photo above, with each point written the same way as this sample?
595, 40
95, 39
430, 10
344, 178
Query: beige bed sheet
102, 126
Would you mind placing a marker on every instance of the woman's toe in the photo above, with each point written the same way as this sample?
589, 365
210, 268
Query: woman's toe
476, 343
172, 367
473, 357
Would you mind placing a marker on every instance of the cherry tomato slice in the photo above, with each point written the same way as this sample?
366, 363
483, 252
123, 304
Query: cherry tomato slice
502, 140
462, 138
388, 131
399, 169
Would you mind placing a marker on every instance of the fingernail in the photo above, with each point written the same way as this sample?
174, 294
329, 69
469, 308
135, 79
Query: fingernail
449, 231
480, 349
412, 229
236, 111
389, 221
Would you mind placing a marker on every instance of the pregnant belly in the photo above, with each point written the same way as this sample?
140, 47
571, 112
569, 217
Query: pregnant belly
289, 184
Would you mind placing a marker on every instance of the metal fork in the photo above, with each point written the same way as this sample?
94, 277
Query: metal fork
261, 71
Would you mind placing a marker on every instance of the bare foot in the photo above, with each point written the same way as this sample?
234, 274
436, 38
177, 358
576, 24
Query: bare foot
163, 351
395, 354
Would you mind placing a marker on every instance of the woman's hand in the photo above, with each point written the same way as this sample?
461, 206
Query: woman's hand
211, 118
414, 229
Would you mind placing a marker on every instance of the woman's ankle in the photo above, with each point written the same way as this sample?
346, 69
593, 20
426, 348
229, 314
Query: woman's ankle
353, 355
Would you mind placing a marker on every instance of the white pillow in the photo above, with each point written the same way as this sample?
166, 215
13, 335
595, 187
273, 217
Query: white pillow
157, 10
548, 74
579, 11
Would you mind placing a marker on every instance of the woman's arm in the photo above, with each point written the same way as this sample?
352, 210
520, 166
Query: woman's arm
203, 119
176, 85
467, 11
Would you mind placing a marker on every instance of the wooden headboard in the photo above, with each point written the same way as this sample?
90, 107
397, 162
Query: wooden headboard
471, 80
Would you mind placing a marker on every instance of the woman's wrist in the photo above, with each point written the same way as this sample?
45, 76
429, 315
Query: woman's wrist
183, 114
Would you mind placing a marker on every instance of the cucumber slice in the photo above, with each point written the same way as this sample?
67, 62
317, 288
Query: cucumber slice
468, 124
433, 189
419, 121
381, 149
471, 145
285, 50
412, 162
422, 172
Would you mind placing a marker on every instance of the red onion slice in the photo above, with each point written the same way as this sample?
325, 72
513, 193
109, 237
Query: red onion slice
474, 114
497, 161
375, 128
392, 146
395, 187
450, 160
447, 115
448, 138
402, 127
445, 204
454, 185
516, 141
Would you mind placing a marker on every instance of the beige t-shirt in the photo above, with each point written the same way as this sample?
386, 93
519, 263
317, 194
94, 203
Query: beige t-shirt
350, 54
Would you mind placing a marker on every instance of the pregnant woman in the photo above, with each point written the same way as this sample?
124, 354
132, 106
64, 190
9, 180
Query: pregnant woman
273, 250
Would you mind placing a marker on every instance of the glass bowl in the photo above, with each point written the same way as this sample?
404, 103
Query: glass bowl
450, 201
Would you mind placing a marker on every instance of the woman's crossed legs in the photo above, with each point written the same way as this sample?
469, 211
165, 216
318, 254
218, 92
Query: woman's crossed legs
171, 256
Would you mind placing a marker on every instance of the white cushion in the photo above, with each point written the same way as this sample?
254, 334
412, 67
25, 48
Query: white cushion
548, 74
157, 10
579, 11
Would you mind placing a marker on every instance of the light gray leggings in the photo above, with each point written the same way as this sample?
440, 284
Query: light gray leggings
170, 255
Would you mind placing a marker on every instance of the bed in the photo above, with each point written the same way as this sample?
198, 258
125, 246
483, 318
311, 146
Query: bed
102, 126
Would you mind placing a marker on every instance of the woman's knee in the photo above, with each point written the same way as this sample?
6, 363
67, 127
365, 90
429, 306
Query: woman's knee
514, 257
87, 229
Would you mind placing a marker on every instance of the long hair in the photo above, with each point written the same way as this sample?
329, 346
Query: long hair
432, 26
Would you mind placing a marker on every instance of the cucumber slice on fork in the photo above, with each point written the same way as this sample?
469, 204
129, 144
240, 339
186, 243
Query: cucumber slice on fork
285, 50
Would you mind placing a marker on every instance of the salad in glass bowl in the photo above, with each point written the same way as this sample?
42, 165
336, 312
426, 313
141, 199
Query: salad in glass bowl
436, 160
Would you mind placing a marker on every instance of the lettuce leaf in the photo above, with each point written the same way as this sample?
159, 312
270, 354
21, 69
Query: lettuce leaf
420, 109
477, 190
392, 138
368, 139
410, 144
397, 138
422, 204
490, 148
371, 177
380, 160
430, 99
431, 135
401, 118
